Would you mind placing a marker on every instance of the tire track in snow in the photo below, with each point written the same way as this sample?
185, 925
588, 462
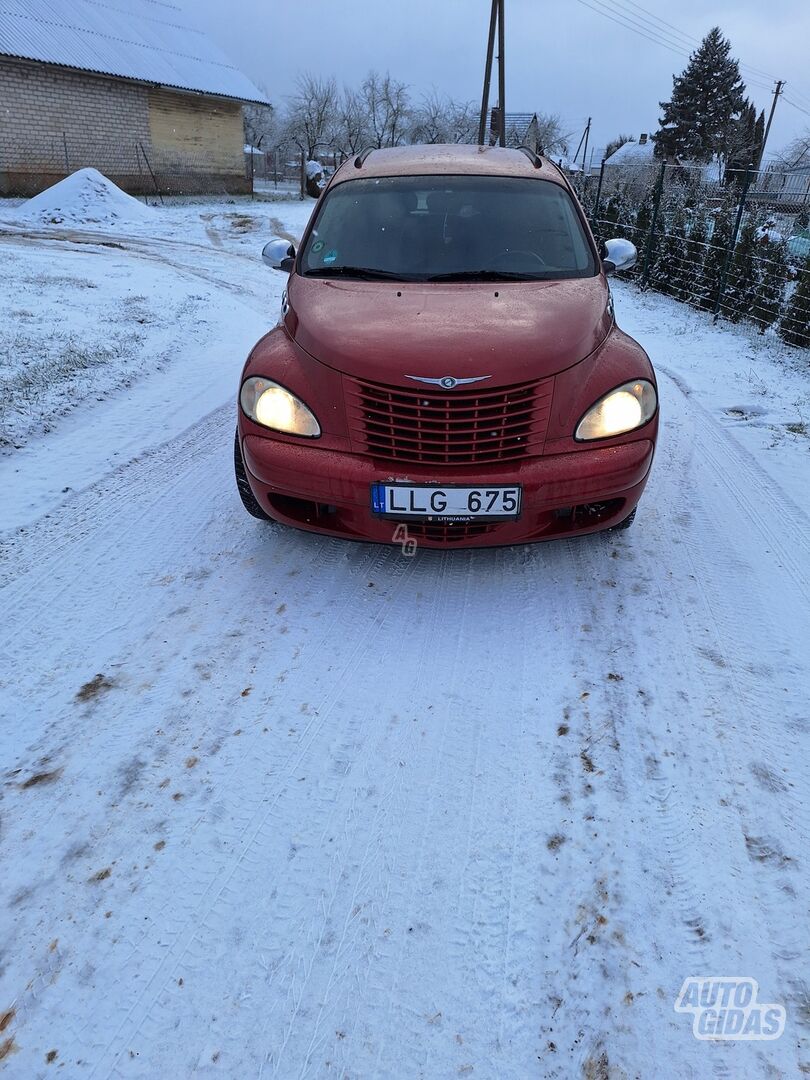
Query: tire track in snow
737, 473
251, 837
696, 841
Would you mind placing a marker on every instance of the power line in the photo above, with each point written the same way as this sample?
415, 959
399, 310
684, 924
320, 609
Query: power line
617, 12
795, 106
688, 37
804, 100
620, 21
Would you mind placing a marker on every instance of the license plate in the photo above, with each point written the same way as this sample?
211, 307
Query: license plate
448, 503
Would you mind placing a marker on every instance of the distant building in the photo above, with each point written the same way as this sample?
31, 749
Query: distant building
127, 88
633, 153
783, 189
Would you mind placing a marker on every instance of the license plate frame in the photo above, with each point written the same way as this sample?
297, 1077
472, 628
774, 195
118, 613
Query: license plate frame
399, 500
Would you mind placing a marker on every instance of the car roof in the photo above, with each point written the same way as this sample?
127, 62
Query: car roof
446, 159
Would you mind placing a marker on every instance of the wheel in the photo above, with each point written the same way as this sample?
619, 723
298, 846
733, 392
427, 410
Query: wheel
243, 487
628, 521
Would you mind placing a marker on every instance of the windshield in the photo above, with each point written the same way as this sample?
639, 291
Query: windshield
435, 228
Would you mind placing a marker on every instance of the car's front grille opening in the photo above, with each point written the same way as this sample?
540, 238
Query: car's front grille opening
448, 427
449, 532
303, 510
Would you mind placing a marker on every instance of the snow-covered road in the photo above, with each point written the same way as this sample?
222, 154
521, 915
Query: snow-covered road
274, 805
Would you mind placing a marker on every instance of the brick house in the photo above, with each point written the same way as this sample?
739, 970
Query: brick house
126, 87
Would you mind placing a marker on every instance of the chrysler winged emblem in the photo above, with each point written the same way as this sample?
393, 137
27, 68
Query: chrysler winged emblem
448, 382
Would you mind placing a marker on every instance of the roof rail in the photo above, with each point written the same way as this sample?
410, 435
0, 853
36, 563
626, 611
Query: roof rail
361, 157
532, 155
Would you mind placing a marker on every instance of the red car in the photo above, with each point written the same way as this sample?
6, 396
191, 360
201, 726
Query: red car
447, 367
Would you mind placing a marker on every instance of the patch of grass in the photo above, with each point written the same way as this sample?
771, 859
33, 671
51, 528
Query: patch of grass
42, 376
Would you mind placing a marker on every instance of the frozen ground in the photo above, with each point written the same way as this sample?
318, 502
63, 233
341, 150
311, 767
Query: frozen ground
280, 806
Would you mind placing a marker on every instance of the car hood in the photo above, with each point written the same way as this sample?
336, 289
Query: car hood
511, 331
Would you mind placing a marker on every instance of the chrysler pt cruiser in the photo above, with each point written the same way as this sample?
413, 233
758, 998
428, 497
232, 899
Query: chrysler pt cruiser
447, 359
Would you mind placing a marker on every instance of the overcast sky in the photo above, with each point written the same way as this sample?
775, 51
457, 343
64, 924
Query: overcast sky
562, 57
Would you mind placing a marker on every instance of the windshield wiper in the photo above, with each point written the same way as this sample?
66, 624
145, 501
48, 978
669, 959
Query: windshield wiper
364, 273
483, 275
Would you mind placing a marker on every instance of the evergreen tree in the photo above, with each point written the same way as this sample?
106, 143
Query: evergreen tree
773, 256
617, 218
707, 101
744, 144
694, 287
759, 136
795, 325
743, 284
719, 243
639, 233
669, 269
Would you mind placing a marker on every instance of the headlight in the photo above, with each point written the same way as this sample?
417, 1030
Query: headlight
274, 407
627, 407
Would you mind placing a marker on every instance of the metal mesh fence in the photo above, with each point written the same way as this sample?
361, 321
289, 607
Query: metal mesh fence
736, 245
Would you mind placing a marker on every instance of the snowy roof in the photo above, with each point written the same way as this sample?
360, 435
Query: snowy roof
633, 153
147, 40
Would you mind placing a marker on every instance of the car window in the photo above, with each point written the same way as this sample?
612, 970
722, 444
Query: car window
433, 227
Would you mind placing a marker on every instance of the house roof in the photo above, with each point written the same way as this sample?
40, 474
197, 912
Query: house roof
633, 153
146, 40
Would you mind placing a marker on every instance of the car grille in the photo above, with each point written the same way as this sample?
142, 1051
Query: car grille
451, 532
448, 427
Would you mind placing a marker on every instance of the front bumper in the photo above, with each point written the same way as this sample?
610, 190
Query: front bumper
327, 491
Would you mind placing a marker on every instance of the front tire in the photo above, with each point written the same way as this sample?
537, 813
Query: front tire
628, 521
249, 500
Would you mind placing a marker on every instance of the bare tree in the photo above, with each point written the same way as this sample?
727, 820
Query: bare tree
261, 127
312, 113
796, 152
443, 120
387, 108
351, 129
552, 137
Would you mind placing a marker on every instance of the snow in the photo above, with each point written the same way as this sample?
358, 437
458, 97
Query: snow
633, 153
314, 168
280, 805
86, 197
147, 40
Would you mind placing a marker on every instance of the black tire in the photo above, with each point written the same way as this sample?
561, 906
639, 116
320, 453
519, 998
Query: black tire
628, 521
243, 487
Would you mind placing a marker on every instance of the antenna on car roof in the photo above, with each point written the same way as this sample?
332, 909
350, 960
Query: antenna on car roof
361, 157
532, 155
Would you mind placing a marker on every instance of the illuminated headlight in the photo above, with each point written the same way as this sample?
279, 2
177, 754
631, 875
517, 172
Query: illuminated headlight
272, 406
627, 407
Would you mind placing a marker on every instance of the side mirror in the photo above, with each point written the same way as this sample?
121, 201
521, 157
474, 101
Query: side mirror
280, 254
618, 255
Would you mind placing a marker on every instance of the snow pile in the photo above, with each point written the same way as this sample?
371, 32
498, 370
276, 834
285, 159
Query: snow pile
84, 198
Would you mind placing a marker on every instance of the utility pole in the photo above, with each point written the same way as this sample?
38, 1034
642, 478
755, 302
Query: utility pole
777, 91
501, 72
583, 139
496, 19
585, 148
482, 125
